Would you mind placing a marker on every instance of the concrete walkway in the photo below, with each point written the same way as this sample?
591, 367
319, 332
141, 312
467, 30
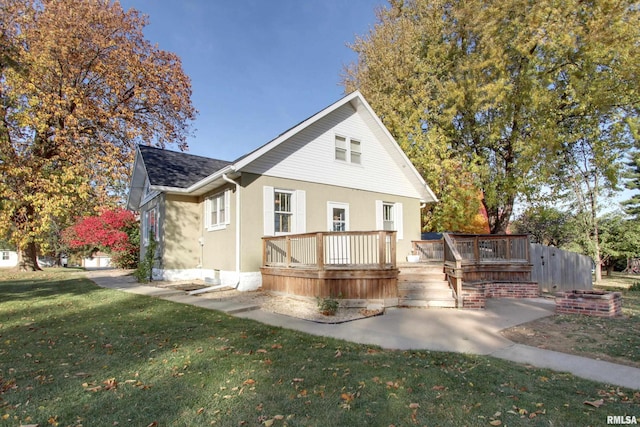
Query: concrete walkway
461, 331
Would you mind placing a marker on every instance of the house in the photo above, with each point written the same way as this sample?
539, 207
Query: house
97, 260
338, 170
8, 258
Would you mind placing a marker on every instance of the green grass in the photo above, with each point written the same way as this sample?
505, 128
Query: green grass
74, 354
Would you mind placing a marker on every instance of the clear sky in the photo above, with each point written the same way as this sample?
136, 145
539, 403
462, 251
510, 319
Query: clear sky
257, 67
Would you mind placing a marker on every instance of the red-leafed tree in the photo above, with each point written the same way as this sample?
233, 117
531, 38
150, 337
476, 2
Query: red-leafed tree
114, 231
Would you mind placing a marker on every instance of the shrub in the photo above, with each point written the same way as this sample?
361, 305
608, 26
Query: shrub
328, 306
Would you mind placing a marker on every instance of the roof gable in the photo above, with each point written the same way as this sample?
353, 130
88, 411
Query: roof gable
292, 155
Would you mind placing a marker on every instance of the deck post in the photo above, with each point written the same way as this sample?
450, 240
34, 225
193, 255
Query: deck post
476, 250
264, 251
288, 251
320, 250
392, 248
382, 243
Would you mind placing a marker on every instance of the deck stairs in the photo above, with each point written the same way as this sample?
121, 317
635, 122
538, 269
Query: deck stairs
424, 285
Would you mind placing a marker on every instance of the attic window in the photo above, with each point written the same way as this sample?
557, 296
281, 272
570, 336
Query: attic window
348, 150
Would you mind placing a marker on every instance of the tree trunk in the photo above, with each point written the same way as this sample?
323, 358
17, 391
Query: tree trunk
28, 258
498, 217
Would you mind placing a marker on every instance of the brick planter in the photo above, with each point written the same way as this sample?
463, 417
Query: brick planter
512, 290
589, 303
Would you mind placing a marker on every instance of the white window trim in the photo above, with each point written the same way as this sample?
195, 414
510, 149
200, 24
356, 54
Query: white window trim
347, 149
339, 205
222, 223
298, 203
5, 256
145, 225
397, 216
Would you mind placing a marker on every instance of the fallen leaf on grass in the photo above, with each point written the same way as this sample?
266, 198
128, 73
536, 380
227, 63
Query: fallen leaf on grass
200, 411
347, 397
495, 423
595, 403
438, 387
249, 382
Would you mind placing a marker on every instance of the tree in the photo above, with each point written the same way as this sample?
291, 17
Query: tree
619, 239
79, 87
489, 84
547, 225
115, 231
632, 206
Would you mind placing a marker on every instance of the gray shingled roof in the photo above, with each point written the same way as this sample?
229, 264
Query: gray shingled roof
175, 169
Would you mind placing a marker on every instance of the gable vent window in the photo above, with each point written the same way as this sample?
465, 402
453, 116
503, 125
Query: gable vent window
348, 150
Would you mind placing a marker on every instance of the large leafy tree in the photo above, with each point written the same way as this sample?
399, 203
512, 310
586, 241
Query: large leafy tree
487, 92
79, 87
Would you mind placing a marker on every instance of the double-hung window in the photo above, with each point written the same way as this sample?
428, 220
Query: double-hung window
5, 256
150, 226
217, 211
282, 211
348, 150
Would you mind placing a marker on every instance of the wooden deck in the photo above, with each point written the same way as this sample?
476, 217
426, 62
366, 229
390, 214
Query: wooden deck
362, 265
349, 265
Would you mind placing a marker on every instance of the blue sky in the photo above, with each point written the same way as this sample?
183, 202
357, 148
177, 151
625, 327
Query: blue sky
257, 67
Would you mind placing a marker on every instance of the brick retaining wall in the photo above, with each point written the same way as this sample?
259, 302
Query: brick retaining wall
474, 295
589, 303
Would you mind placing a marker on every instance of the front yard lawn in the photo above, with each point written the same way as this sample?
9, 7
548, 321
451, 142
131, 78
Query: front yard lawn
74, 354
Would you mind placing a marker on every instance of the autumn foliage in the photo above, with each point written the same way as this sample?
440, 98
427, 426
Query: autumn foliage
114, 231
80, 86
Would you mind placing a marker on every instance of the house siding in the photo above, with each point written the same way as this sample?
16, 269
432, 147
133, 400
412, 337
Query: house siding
182, 218
219, 245
362, 207
310, 156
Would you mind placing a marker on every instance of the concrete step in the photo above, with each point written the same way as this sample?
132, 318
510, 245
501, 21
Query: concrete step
433, 303
421, 270
431, 277
423, 285
425, 294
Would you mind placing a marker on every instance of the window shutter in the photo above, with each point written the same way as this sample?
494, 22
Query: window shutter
379, 215
300, 212
267, 204
227, 207
398, 220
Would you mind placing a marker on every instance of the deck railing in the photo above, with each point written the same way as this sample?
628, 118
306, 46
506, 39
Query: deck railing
331, 250
476, 249
488, 249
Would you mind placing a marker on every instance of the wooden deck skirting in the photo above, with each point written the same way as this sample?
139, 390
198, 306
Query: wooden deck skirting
350, 265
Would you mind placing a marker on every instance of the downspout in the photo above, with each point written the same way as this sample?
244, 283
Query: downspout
213, 288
